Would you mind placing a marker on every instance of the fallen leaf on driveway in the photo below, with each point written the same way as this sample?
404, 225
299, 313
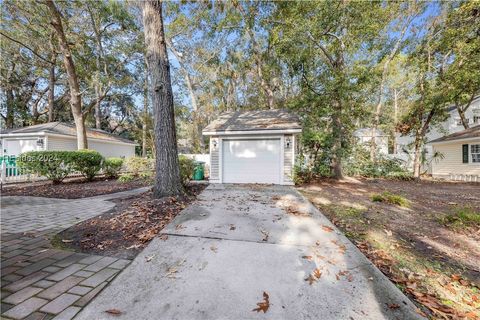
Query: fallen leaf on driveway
163, 237
134, 246
341, 247
149, 258
179, 226
114, 311
327, 228
393, 306
214, 249
265, 235
264, 305
232, 227
314, 276
309, 258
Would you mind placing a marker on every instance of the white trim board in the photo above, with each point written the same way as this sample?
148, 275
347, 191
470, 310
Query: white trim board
250, 132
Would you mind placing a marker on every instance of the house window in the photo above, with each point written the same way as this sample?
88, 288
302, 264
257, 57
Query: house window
476, 119
460, 123
475, 152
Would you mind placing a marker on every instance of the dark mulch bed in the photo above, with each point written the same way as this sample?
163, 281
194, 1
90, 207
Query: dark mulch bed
125, 230
74, 188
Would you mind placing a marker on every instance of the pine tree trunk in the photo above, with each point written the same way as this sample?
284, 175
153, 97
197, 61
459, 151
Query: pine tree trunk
145, 115
51, 82
9, 118
395, 120
72, 78
167, 178
416, 157
337, 143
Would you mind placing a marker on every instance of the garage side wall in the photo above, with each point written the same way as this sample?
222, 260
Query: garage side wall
106, 149
61, 144
214, 158
288, 158
109, 150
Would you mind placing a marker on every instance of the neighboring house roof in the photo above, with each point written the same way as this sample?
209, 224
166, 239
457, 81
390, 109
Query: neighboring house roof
65, 129
473, 132
257, 120
367, 132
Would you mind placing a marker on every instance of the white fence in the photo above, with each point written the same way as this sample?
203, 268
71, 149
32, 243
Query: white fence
13, 174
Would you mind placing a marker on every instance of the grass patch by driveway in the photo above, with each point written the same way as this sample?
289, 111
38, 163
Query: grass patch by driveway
422, 235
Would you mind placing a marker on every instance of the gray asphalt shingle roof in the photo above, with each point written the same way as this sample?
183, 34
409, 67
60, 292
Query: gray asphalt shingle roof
473, 132
276, 119
66, 129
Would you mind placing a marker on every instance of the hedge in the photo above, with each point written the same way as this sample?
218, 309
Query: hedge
55, 165
112, 167
88, 162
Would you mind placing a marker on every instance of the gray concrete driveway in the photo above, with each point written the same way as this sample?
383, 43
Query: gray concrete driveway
219, 256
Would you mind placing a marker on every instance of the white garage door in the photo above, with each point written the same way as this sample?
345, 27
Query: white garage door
251, 161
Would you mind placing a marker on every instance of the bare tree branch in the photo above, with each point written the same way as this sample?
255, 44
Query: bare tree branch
26, 47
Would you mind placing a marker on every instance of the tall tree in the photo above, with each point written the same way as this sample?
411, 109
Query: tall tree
324, 45
412, 9
72, 76
167, 177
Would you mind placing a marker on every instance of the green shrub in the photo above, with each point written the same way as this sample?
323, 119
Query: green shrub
126, 177
187, 166
302, 174
391, 198
136, 165
112, 167
463, 217
54, 165
146, 175
88, 162
400, 175
360, 164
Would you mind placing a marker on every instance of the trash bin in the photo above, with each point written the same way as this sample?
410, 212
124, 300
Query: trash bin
199, 171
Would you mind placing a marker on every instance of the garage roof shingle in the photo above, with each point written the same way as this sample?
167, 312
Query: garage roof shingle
277, 119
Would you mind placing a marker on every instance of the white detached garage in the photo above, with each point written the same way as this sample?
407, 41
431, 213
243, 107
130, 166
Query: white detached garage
253, 147
60, 136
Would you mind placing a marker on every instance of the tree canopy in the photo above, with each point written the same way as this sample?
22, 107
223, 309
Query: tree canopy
340, 66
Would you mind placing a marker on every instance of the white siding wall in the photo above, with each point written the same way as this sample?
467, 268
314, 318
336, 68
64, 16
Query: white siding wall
61, 144
452, 163
215, 158
106, 149
288, 155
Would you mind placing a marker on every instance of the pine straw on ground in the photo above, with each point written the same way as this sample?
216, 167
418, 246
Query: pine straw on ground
126, 229
434, 262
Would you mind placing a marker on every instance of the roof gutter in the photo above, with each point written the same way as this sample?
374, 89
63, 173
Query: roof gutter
454, 140
48, 134
248, 132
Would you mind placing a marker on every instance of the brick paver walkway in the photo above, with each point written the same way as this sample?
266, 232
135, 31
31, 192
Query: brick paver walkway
38, 281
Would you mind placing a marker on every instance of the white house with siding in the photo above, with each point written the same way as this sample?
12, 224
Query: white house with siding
452, 124
253, 147
62, 137
460, 155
